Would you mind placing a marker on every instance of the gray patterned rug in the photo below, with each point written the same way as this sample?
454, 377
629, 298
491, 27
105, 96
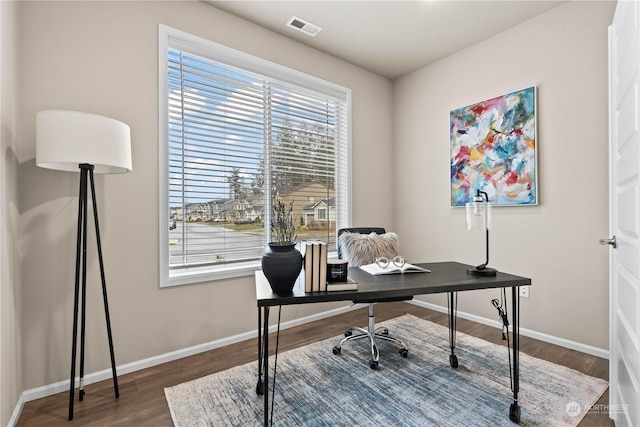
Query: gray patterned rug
316, 388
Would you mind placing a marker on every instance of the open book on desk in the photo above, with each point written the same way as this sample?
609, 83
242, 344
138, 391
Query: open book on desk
376, 270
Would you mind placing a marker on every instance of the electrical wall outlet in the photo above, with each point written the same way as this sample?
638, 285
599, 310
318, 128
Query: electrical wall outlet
524, 291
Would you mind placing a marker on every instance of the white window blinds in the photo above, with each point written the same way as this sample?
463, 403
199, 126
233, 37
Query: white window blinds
237, 139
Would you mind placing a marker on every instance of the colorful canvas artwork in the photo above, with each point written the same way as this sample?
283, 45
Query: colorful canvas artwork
493, 149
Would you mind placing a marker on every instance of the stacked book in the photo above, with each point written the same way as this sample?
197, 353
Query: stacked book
315, 265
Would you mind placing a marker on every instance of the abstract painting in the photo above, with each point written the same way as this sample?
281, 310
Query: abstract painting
493, 149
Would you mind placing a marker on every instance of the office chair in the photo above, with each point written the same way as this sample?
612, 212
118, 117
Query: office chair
371, 332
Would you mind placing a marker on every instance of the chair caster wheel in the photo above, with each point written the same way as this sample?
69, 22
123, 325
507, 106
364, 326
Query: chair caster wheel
336, 350
373, 364
404, 352
260, 387
453, 360
348, 333
385, 331
514, 413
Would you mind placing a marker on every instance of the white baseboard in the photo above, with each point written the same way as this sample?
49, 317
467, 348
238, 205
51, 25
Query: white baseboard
62, 386
584, 348
16, 412
105, 374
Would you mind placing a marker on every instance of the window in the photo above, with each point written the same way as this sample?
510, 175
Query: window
236, 133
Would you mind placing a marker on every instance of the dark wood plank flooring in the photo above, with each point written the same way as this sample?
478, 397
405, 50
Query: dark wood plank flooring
142, 402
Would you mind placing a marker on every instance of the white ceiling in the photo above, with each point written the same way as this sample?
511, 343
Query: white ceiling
390, 37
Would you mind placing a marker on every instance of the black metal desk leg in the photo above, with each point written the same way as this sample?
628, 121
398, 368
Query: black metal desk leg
452, 307
265, 361
514, 409
260, 385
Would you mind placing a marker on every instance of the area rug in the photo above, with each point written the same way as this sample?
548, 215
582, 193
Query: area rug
314, 387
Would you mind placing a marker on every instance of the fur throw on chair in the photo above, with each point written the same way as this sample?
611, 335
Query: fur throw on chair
362, 249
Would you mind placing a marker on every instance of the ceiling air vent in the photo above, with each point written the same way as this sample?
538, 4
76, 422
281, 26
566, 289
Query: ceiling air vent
304, 26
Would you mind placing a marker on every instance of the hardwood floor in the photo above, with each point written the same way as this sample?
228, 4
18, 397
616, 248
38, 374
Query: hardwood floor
142, 401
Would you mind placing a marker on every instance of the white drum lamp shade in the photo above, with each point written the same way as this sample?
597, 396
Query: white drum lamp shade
66, 139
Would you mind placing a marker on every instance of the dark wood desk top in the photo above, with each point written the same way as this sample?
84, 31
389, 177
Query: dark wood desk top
444, 277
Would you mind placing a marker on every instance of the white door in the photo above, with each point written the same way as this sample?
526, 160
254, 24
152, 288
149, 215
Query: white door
624, 306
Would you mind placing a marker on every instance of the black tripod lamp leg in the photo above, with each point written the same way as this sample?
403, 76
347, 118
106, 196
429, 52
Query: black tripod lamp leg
74, 342
74, 345
86, 174
83, 308
104, 286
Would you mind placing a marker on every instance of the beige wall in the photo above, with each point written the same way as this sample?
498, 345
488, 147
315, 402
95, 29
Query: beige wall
101, 57
11, 366
564, 54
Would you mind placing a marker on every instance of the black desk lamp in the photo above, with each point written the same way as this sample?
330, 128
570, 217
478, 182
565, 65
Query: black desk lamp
479, 217
86, 143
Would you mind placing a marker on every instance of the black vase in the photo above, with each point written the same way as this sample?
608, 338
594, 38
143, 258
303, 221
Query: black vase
281, 265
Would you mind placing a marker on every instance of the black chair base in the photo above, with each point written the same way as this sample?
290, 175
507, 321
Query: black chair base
372, 333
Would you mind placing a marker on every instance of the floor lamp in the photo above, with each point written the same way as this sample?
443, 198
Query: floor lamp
86, 143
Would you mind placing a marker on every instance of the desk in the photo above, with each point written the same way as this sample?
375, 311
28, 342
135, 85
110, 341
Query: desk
445, 277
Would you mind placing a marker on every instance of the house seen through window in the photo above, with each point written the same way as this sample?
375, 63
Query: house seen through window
240, 133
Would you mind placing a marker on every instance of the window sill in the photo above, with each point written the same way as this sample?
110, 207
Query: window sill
192, 275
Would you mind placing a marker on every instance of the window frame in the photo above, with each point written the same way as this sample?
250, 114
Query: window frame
172, 38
